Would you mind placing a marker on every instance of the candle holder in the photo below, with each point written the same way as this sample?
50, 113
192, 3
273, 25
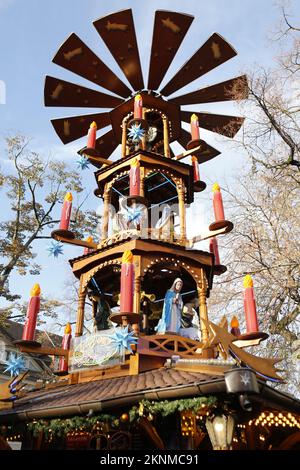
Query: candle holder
254, 335
129, 317
89, 152
219, 269
136, 199
218, 224
56, 234
98, 192
199, 186
195, 143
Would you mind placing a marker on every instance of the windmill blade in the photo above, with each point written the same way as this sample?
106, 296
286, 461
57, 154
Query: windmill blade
169, 31
118, 32
206, 153
106, 144
74, 55
225, 125
233, 89
74, 127
60, 93
215, 51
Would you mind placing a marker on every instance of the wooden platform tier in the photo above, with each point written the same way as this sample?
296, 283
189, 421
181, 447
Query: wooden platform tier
152, 165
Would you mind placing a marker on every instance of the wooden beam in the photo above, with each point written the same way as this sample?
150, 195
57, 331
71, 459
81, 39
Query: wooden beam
75, 241
44, 351
187, 153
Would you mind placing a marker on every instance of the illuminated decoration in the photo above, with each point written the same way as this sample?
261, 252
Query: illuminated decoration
15, 364
91, 140
188, 423
31, 314
66, 212
127, 282
220, 430
97, 350
123, 339
195, 134
83, 163
250, 305
55, 249
234, 325
136, 133
138, 106
269, 419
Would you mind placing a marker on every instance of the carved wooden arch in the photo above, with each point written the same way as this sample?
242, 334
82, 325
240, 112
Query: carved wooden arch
200, 278
86, 277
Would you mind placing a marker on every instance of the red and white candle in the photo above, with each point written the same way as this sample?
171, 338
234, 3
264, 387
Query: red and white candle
32, 313
66, 343
134, 178
127, 283
88, 250
138, 107
66, 212
195, 169
195, 132
218, 203
91, 138
250, 305
213, 248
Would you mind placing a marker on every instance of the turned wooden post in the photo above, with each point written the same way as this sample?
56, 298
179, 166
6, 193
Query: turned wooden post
137, 291
166, 136
181, 204
142, 181
202, 291
106, 204
124, 137
80, 309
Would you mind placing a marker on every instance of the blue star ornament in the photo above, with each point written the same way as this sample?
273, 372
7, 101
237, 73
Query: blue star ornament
136, 133
123, 338
15, 364
55, 249
82, 163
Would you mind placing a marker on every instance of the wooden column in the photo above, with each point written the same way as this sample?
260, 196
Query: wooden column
181, 204
166, 136
124, 137
202, 291
80, 310
106, 204
142, 181
137, 290
143, 141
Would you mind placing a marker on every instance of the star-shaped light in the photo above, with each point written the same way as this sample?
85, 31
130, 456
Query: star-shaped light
123, 338
245, 379
136, 133
55, 249
82, 163
15, 364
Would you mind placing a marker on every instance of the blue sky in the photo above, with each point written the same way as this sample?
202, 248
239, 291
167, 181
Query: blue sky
31, 31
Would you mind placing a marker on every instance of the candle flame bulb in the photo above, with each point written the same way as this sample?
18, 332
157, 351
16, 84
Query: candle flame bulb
234, 322
35, 291
216, 187
93, 125
89, 239
68, 197
247, 281
68, 329
135, 163
194, 117
138, 97
127, 257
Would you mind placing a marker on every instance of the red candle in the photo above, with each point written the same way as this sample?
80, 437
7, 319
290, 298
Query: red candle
86, 249
134, 177
66, 212
32, 312
66, 342
218, 203
91, 140
138, 107
127, 283
249, 305
234, 325
196, 169
195, 133
213, 248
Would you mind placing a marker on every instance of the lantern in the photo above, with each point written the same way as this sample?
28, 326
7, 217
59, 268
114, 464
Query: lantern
220, 430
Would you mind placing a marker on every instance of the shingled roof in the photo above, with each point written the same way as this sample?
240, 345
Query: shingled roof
158, 384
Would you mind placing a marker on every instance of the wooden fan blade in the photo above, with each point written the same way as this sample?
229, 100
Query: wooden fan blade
118, 32
225, 125
60, 93
233, 89
207, 152
74, 55
74, 127
169, 31
215, 51
106, 144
